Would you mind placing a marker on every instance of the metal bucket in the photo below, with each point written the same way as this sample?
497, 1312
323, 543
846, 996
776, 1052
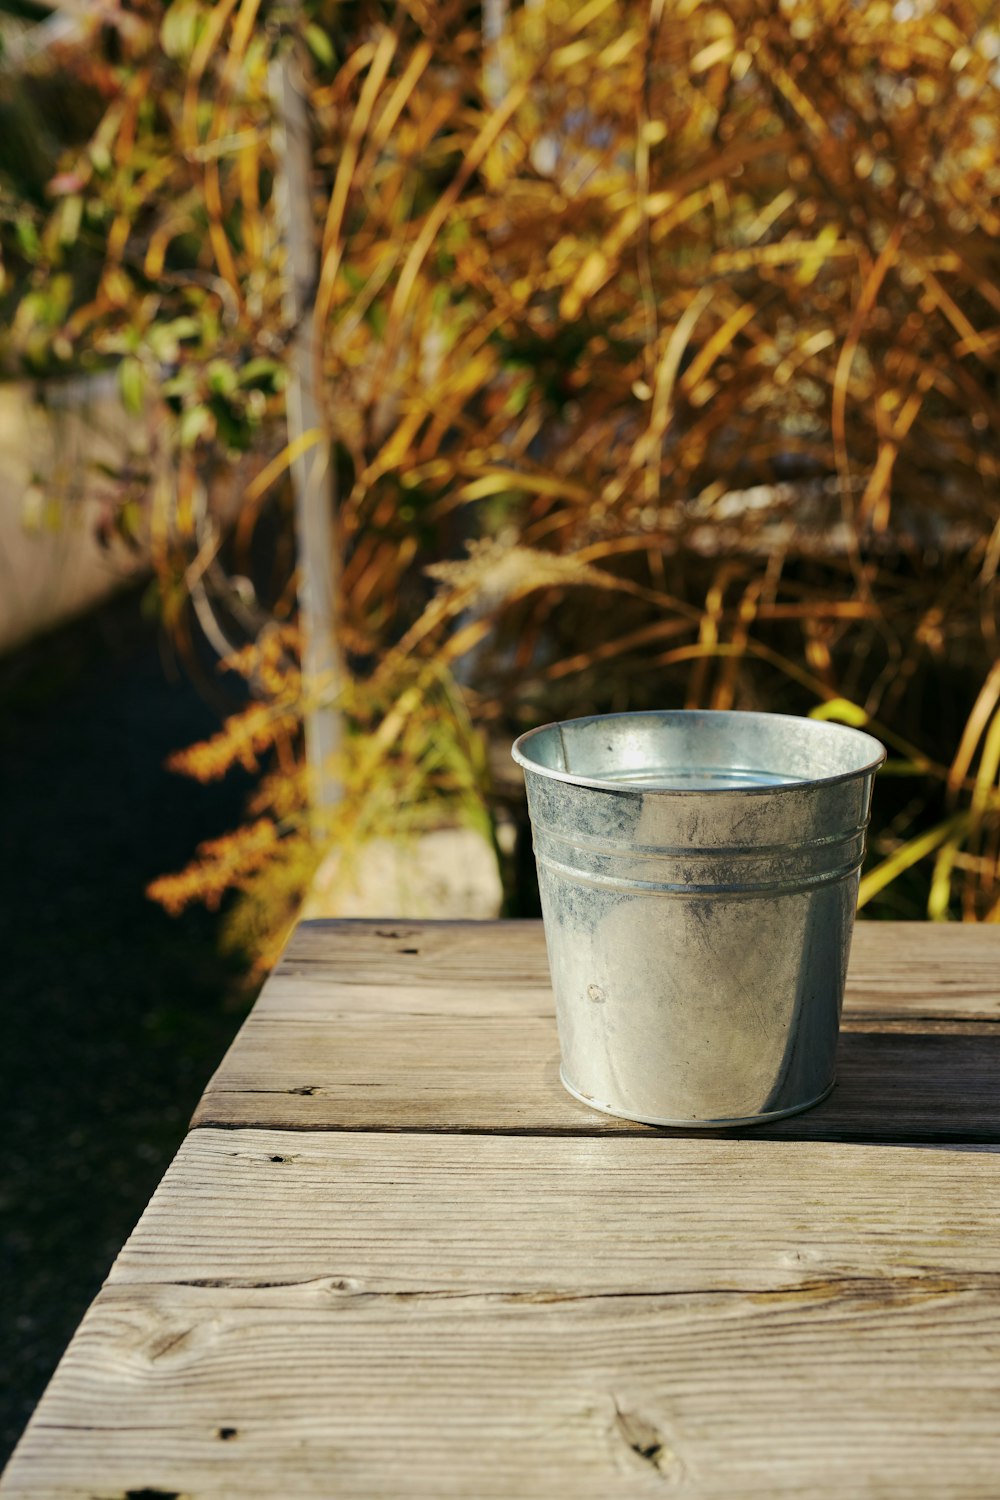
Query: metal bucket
699, 878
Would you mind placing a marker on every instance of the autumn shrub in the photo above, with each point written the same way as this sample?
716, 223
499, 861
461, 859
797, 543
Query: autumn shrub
657, 352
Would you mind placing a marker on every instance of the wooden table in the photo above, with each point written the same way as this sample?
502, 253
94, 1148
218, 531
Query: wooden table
393, 1258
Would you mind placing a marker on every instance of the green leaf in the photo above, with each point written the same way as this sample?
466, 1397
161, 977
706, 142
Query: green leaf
130, 520
195, 423
843, 711
70, 214
377, 319
27, 238
132, 384
180, 29
519, 396
162, 343
264, 373
185, 327
184, 383
221, 378
320, 45
909, 854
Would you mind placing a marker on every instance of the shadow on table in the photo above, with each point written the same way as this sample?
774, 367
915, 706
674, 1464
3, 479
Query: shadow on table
919, 1087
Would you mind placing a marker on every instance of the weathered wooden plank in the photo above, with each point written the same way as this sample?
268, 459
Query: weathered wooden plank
912, 970
595, 1312
871, 1392
407, 1213
487, 1317
449, 1026
898, 971
434, 1072
442, 954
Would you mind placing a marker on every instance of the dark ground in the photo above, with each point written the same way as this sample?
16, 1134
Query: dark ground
114, 1015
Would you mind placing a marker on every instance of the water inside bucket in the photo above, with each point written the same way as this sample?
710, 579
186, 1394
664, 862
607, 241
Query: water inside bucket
696, 778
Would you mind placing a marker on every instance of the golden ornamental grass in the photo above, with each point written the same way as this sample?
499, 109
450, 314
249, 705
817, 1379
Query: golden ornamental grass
700, 300
660, 346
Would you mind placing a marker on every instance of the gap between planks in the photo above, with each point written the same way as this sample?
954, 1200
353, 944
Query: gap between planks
486, 1318
897, 969
444, 1027
457, 1076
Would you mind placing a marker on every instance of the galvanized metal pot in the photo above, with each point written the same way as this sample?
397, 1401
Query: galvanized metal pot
699, 877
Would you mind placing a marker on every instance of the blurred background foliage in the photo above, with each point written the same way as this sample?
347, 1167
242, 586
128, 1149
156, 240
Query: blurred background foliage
657, 351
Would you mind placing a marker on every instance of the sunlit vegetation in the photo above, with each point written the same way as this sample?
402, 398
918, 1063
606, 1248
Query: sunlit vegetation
658, 348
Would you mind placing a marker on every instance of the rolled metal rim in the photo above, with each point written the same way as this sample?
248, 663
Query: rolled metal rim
871, 754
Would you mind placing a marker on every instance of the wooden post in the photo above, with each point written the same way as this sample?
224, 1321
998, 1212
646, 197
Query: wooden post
311, 472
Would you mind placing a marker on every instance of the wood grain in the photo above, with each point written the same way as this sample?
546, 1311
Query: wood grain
431, 1073
483, 1317
441, 954
449, 1214
898, 970
434, 1274
209, 1392
450, 1026
924, 970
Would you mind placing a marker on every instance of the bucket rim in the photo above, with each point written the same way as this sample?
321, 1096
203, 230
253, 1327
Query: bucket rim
877, 754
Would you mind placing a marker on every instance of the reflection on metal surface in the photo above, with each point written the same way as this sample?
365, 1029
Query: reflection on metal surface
698, 874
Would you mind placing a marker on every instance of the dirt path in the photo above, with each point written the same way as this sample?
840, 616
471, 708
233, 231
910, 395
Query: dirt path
113, 1015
